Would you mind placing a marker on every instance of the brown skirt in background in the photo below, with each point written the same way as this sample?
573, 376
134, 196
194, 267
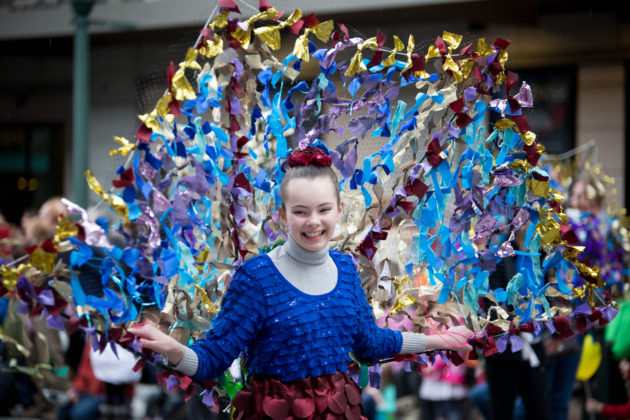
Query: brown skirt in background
327, 397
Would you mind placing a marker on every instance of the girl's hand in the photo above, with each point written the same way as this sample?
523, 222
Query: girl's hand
152, 338
455, 338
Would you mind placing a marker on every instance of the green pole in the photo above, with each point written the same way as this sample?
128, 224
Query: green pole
80, 100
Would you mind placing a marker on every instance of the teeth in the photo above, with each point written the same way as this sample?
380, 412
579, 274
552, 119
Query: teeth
313, 235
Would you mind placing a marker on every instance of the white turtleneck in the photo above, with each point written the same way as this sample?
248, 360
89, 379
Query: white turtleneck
311, 272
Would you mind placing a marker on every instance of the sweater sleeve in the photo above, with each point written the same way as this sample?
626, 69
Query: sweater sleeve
370, 341
234, 327
619, 411
413, 343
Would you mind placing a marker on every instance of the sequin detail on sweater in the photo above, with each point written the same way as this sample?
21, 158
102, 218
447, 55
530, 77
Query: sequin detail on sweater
289, 334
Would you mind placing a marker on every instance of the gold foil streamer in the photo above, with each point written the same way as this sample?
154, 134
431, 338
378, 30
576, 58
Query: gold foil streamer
42, 260
371, 43
391, 58
212, 48
293, 18
93, 183
549, 234
521, 164
9, 278
500, 79
411, 44
270, 35
422, 74
528, 138
10, 275
321, 31
540, 188
201, 259
466, 65
432, 53
483, 49
590, 274
563, 217
242, 36
356, 65
557, 196
402, 303
502, 57
162, 107
548, 228
119, 205
126, 146
579, 291
65, 229
504, 124
190, 62
450, 64
115, 201
245, 36
402, 285
181, 87
571, 251
403, 288
453, 40
179, 84
210, 307
300, 49
220, 21
150, 120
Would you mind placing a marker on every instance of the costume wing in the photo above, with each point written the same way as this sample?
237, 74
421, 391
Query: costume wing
437, 160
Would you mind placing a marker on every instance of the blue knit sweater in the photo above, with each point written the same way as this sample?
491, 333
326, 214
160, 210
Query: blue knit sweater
289, 334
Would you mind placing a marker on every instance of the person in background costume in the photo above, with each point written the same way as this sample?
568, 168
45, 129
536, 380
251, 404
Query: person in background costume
298, 311
102, 387
518, 372
444, 392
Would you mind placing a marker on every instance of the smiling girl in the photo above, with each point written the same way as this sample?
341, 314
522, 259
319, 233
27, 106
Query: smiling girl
297, 312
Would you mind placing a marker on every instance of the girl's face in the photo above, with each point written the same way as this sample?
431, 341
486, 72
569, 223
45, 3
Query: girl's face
311, 211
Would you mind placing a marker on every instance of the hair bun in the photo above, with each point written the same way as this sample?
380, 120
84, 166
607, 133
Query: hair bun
310, 156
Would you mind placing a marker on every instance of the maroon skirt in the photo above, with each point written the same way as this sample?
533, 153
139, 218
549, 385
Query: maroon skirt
324, 397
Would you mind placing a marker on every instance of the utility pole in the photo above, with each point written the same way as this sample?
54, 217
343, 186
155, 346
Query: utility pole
80, 100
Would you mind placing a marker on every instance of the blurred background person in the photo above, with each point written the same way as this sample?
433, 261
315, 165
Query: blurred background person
444, 391
614, 411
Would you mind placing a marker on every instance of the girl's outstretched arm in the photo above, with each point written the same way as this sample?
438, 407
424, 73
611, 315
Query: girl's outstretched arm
152, 338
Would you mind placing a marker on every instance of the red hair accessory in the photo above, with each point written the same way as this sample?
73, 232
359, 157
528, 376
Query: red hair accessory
309, 156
